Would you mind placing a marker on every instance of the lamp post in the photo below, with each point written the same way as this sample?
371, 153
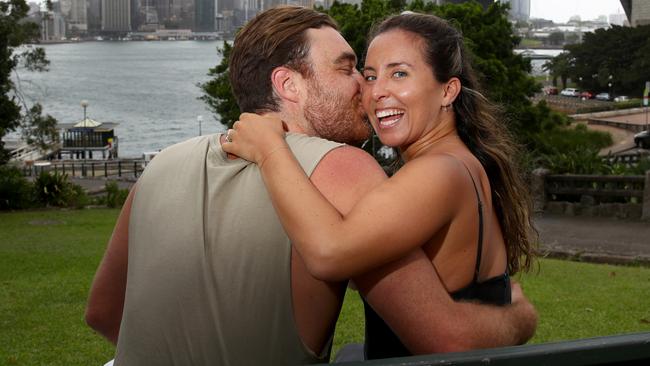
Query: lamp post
84, 104
199, 118
86, 131
611, 93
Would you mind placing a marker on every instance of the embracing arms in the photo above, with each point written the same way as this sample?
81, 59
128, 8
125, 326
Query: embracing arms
410, 297
397, 216
408, 293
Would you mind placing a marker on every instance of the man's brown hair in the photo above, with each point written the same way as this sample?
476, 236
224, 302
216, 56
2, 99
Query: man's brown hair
276, 37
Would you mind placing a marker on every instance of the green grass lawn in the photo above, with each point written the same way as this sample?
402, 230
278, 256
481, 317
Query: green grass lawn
48, 259
574, 300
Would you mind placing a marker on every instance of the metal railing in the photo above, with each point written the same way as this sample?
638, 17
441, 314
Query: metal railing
604, 188
89, 168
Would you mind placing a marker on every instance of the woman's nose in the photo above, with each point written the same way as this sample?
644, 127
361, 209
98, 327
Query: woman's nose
377, 89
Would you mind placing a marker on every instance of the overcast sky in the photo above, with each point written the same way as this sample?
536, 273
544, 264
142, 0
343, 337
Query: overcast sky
561, 10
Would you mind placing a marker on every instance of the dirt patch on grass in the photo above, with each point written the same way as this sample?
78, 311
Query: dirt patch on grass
45, 222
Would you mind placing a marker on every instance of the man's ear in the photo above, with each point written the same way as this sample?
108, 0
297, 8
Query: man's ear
285, 83
451, 90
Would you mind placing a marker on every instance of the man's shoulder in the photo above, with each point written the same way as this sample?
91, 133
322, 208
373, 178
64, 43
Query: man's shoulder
184, 154
347, 173
346, 157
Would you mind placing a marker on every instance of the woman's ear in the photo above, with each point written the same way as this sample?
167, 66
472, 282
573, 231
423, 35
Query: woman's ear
452, 89
284, 81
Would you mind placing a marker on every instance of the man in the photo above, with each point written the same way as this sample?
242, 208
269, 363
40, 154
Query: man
212, 278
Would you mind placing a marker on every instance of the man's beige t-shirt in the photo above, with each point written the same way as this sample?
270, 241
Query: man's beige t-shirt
209, 267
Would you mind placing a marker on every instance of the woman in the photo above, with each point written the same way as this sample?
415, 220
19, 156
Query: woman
459, 195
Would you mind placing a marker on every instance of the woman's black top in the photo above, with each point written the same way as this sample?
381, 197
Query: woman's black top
381, 342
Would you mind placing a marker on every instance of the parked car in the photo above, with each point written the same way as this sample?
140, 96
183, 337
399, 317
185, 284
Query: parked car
550, 90
642, 139
586, 95
621, 98
603, 96
570, 92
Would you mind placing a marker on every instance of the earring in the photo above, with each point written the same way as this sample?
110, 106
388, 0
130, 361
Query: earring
445, 108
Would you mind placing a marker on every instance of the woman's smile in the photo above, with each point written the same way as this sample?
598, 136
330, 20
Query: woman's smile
388, 118
400, 92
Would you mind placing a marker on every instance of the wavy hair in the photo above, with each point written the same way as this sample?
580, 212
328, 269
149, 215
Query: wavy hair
481, 128
275, 37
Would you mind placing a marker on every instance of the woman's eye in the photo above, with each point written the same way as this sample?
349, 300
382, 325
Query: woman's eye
370, 77
399, 74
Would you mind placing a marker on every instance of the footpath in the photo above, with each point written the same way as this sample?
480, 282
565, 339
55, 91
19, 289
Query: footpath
594, 239
588, 239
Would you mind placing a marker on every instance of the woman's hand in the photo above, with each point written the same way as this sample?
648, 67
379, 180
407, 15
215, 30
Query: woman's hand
255, 137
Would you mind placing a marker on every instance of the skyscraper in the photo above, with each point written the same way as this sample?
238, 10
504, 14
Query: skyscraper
519, 9
637, 11
205, 15
116, 15
94, 15
74, 12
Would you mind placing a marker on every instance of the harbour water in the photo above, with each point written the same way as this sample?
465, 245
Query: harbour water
149, 88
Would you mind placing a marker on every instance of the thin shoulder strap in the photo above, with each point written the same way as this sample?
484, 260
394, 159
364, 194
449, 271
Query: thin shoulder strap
479, 252
480, 226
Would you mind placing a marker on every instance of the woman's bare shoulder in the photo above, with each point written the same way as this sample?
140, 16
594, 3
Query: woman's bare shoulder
437, 164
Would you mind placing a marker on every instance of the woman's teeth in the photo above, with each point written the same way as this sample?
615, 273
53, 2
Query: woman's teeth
389, 117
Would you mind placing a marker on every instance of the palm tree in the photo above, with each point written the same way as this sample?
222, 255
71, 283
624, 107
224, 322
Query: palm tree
560, 67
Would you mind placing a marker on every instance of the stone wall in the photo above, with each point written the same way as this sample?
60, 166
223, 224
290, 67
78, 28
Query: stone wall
588, 205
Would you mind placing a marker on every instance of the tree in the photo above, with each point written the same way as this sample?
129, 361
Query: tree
559, 67
556, 38
489, 38
39, 130
217, 92
15, 32
622, 52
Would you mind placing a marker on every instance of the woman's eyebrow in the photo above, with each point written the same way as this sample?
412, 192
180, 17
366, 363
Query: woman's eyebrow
401, 63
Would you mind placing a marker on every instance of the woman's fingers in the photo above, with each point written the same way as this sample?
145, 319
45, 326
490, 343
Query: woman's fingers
253, 137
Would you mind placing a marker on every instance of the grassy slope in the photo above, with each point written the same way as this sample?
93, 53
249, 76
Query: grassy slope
48, 258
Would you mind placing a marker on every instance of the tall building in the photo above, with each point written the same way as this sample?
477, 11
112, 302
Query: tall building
94, 15
116, 15
205, 16
75, 14
617, 19
52, 26
519, 9
637, 11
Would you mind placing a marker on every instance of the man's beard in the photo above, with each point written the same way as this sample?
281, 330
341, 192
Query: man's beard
334, 118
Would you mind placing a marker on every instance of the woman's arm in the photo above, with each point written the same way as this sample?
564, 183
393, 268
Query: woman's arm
401, 214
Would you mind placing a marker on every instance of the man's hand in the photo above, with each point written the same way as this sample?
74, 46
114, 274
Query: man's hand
525, 312
410, 297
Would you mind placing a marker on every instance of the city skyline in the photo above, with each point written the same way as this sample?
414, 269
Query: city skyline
560, 11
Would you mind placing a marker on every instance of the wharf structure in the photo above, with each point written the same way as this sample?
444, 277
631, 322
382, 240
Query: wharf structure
83, 139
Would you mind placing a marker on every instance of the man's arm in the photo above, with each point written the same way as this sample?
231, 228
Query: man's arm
106, 300
410, 297
408, 293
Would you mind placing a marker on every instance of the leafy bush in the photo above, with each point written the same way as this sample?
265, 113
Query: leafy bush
55, 190
115, 196
570, 150
15, 190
